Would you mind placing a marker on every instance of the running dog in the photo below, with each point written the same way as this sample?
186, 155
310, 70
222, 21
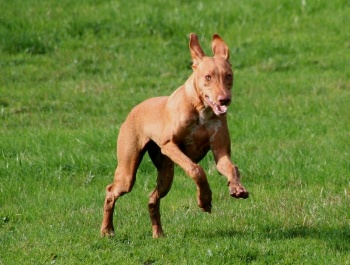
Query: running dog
179, 129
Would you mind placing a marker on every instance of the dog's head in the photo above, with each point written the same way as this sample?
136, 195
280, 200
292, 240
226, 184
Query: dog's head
213, 75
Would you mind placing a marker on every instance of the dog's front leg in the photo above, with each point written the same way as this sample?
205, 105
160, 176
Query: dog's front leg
193, 170
226, 168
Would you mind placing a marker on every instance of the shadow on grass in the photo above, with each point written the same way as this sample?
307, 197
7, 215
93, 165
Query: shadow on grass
338, 238
223, 233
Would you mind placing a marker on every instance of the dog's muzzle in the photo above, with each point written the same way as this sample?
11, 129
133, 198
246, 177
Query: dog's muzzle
221, 109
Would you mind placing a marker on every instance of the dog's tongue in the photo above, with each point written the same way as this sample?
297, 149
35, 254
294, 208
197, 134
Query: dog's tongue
220, 109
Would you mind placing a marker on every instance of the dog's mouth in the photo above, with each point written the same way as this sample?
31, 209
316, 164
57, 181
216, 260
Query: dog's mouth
218, 110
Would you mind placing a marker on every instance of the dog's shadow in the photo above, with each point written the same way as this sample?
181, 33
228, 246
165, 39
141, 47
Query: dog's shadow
223, 233
337, 238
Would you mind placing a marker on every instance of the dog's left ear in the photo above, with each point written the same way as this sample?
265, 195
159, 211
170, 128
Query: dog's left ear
219, 47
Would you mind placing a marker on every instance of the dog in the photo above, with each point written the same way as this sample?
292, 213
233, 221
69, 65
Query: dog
179, 129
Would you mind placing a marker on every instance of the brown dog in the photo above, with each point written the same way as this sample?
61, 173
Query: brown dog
179, 129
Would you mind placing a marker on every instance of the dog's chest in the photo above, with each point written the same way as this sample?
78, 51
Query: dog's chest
199, 136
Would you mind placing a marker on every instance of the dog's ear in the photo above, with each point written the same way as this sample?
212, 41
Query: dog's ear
196, 50
219, 47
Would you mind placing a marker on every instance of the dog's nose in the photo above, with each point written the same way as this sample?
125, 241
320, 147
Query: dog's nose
224, 101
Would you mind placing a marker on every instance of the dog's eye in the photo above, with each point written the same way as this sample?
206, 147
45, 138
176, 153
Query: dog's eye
208, 77
228, 77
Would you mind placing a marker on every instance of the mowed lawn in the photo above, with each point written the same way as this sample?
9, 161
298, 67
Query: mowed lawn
70, 71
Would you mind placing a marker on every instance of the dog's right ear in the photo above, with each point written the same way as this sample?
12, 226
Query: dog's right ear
196, 50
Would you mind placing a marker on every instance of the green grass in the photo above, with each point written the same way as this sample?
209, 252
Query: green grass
70, 71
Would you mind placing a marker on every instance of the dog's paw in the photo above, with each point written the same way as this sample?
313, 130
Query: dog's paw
206, 208
158, 232
107, 232
204, 200
239, 192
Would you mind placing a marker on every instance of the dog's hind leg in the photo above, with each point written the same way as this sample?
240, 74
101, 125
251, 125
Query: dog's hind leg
129, 155
122, 184
165, 169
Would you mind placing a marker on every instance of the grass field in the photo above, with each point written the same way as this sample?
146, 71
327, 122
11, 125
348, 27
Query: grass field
70, 71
